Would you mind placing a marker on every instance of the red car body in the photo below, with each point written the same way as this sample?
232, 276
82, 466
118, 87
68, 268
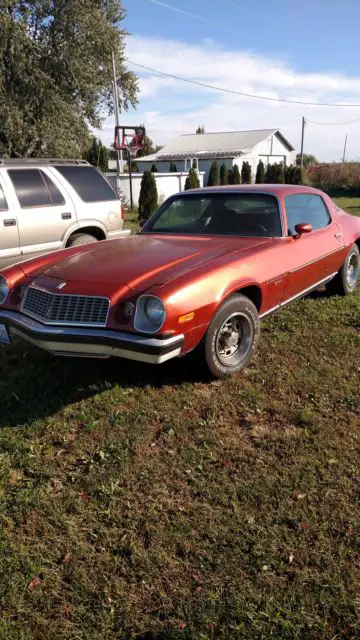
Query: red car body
191, 274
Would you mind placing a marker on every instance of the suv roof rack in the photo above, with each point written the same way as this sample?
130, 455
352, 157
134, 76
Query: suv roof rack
15, 161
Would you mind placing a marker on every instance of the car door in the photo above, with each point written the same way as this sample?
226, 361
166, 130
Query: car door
313, 256
9, 234
45, 211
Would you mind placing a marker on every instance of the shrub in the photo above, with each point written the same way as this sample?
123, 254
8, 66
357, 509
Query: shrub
246, 173
213, 178
153, 168
148, 199
337, 178
223, 174
260, 173
173, 168
235, 175
192, 181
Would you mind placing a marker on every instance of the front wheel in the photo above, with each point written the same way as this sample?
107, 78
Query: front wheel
347, 278
232, 337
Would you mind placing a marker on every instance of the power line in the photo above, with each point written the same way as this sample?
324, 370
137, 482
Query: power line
238, 93
332, 124
193, 15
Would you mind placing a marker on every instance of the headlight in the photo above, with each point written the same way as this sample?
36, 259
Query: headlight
150, 314
4, 289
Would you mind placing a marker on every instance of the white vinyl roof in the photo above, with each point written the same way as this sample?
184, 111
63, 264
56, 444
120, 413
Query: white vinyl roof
229, 144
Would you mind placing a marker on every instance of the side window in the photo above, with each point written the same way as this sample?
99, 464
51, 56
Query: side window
55, 195
306, 207
30, 188
88, 183
3, 203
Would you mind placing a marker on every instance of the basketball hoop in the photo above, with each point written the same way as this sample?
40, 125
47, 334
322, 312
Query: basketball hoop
130, 140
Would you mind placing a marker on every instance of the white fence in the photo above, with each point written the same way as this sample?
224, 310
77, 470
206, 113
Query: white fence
167, 184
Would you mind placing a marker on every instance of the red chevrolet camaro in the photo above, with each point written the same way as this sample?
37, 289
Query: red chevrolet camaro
203, 271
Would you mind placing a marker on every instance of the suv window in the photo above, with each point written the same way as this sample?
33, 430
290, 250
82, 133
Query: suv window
88, 183
30, 188
306, 207
3, 203
55, 195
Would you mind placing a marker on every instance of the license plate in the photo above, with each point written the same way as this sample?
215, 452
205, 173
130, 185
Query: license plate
4, 335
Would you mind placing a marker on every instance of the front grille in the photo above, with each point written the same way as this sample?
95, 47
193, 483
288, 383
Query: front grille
65, 309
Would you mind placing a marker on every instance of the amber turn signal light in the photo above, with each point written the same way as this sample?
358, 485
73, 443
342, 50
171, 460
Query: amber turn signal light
186, 318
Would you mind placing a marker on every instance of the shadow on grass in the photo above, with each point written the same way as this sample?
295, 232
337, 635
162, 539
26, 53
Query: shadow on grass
35, 385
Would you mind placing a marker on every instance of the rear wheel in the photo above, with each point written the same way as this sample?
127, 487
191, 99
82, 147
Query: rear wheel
347, 278
79, 239
231, 338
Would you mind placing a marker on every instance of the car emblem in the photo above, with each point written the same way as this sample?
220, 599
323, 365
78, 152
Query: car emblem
61, 286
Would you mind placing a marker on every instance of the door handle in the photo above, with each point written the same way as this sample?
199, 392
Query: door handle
10, 222
66, 216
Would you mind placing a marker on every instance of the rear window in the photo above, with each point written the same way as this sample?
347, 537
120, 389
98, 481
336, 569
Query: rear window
30, 188
88, 183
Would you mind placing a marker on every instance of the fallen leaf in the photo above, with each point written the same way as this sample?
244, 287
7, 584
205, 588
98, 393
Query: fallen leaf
34, 583
182, 625
83, 495
291, 558
301, 496
67, 558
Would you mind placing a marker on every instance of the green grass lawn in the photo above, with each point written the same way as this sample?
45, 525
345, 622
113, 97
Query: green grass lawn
352, 205
142, 503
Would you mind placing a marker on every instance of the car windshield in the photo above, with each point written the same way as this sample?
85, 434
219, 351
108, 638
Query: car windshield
234, 214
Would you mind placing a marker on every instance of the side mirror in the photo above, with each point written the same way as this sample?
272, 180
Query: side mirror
301, 228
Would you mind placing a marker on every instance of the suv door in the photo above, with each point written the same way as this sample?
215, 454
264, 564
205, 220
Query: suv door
9, 234
315, 255
45, 212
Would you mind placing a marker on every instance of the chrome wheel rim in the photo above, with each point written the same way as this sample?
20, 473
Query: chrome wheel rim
234, 339
352, 271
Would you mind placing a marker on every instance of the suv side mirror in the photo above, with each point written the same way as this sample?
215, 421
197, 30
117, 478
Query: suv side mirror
301, 228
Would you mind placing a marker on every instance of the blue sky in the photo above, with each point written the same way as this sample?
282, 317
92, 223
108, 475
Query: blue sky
303, 50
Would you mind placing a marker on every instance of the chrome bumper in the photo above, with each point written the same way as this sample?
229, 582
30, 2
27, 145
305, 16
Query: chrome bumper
91, 343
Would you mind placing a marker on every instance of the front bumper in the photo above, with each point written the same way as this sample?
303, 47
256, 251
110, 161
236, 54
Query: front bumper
91, 343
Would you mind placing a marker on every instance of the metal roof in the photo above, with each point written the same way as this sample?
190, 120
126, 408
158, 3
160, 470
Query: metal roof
228, 144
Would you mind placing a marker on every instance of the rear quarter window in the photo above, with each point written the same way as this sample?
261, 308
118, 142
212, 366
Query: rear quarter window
88, 182
3, 203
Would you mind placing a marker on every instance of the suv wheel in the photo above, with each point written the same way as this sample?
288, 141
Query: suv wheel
232, 337
79, 239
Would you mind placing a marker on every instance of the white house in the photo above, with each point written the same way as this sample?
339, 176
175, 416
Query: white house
229, 148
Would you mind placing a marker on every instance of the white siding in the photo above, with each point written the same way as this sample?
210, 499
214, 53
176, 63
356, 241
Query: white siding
167, 184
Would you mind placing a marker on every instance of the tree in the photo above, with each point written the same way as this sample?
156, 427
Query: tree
290, 174
56, 71
280, 173
298, 175
246, 173
200, 129
173, 168
223, 174
260, 173
213, 178
148, 198
192, 181
235, 175
149, 147
153, 168
308, 159
134, 167
270, 174
98, 155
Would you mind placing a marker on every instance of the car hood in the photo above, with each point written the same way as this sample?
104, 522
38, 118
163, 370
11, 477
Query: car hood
144, 260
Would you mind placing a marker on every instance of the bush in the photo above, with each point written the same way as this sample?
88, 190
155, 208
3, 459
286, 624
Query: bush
275, 173
223, 174
337, 178
154, 168
148, 199
235, 175
246, 173
260, 173
192, 181
173, 168
213, 178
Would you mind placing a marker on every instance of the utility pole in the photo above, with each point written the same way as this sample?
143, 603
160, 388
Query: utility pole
302, 143
119, 166
344, 148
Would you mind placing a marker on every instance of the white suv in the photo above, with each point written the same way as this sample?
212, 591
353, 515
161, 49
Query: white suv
49, 204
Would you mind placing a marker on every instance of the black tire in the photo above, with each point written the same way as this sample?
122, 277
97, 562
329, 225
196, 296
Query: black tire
346, 279
224, 352
79, 239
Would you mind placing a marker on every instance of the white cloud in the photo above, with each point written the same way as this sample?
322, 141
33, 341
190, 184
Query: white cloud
167, 105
